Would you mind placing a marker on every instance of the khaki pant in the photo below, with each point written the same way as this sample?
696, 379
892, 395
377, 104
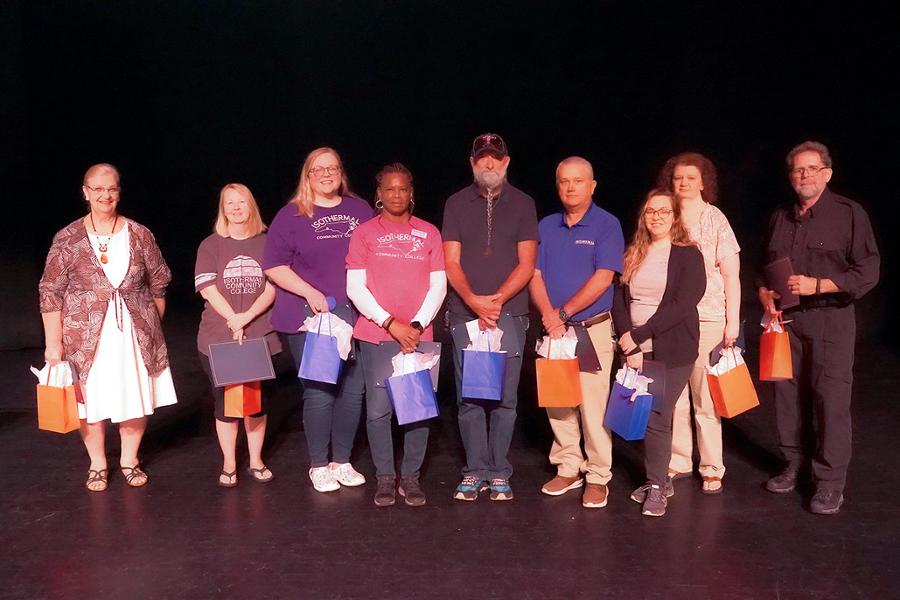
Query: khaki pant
568, 424
709, 425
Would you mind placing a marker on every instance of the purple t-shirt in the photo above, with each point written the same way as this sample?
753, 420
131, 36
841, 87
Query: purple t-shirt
315, 249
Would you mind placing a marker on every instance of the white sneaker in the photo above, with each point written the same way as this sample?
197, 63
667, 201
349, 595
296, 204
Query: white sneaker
323, 480
346, 474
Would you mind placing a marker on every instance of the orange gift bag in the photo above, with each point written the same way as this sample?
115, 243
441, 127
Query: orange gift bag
775, 353
558, 382
243, 399
57, 407
730, 385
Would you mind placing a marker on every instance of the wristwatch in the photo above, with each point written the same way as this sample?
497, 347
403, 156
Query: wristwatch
417, 326
563, 315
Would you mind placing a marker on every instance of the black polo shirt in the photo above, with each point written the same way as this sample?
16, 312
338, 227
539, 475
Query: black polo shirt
514, 220
833, 240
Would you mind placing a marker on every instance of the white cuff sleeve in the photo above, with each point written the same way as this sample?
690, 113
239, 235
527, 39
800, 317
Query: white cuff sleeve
437, 289
360, 295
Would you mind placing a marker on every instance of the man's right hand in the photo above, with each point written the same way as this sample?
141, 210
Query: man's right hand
553, 325
486, 307
767, 299
53, 354
317, 302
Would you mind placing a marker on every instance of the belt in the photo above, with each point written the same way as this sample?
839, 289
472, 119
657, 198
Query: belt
593, 320
815, 303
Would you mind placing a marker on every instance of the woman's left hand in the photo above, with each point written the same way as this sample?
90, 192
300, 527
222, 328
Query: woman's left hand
732, 331
626, 343
239, 336
239, 321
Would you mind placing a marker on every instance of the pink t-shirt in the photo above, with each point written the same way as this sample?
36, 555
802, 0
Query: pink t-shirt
647, 286
717, 242
399, 259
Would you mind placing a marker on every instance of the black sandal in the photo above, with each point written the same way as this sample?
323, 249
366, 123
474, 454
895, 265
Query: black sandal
133, 473
258, 474
230, 476
94, 476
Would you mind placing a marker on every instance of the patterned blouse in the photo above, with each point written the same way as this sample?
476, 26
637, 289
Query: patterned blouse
74, 283
717, 242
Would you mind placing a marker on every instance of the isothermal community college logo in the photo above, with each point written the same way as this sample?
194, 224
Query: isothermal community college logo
334, 226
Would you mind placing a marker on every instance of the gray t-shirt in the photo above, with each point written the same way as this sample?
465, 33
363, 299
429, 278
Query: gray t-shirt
233, 266
513, 220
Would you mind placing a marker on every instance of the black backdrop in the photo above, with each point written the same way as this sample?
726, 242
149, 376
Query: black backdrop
186, 96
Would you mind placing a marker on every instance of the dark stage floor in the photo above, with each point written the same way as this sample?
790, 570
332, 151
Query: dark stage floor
183, 537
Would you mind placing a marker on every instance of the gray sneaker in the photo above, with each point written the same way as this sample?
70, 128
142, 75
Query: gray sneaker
411, 491
826, 502
640, 494
384, 493
655, 503
784, 482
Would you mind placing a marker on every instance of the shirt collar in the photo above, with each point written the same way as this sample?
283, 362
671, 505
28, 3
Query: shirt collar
585, 220
820, 206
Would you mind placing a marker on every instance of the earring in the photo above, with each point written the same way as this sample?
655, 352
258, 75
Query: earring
412, 204
379, 204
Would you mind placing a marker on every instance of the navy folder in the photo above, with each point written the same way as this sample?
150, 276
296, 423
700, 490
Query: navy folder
239, 363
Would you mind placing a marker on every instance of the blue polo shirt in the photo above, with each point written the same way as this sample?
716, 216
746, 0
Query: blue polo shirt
569, 256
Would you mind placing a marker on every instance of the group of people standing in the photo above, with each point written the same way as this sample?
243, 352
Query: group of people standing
671, 296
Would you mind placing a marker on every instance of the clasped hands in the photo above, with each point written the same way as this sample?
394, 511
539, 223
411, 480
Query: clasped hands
406, 334
237, 323
486, 308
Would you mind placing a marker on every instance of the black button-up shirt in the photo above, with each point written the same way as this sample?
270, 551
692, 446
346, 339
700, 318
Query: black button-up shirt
832, 240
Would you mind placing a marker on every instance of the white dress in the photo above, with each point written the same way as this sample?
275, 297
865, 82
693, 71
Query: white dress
118, 385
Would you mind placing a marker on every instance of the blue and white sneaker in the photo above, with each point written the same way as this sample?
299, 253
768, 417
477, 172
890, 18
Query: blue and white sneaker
469, 488
500, 489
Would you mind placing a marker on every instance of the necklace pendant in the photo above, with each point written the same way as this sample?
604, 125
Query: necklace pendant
488, 251
103, 258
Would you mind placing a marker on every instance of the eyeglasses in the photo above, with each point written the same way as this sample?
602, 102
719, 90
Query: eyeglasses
659, 212
320, 171
109, 190
803, 171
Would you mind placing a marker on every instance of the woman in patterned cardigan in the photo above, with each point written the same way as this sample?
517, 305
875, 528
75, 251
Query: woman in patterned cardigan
102, 296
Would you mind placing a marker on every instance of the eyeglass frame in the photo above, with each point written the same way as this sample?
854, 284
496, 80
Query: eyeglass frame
321, 171
802, 171
658, 212
100, 190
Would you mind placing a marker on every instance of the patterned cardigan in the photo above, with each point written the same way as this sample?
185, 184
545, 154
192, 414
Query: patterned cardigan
74, 283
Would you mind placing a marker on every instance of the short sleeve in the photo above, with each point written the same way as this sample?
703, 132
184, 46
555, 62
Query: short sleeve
528, 223
437, 251
358, 253
726, 242
450, 226
610, 249
279, 250
205, 268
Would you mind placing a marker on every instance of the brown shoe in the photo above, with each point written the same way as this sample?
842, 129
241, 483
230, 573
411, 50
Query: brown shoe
595, 495
559, 485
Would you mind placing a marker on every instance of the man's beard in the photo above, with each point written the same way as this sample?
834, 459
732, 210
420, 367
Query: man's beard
489, 179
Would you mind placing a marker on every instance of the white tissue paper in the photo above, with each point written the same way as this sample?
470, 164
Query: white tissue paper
483, 340
59, 375
338, 328
405, 364
564, 347
730, 359
770, 323
633, 380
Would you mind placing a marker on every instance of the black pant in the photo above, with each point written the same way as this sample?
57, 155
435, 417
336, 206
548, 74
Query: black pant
813, 408
658, 440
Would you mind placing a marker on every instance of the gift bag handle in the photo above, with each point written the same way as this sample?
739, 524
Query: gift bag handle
319, 330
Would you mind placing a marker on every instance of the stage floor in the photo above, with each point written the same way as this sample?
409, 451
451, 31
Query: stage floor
183, 537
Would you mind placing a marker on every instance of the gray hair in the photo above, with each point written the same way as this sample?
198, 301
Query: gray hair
576, 160
809, 146
100, 168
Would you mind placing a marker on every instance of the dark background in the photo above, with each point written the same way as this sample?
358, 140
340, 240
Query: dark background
186, 96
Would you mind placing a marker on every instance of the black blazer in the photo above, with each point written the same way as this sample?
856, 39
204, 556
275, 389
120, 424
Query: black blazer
675, 327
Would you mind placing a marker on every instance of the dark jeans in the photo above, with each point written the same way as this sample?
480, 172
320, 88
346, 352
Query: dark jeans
658, 440
330, 411
378, 426
486, 426
813, 408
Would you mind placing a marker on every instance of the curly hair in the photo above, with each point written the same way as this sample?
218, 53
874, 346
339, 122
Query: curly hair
707, 170
637, 249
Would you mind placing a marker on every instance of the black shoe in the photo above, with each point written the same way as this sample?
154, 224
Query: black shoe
384, 493
411, 491
826, 502
784, 482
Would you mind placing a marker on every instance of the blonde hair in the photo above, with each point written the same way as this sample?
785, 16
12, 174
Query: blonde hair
637, 249
304, 197
254, 223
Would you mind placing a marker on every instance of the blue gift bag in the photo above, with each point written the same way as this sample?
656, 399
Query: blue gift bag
625, 416
483, 374
412, 396
321, 360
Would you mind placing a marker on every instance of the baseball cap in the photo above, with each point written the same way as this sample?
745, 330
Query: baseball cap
489, 143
